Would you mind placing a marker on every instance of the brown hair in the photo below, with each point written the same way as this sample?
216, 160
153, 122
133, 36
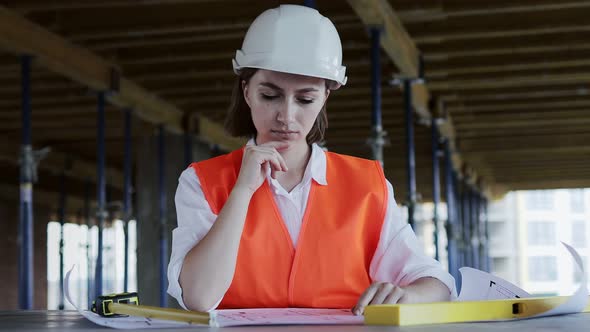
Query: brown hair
238, 121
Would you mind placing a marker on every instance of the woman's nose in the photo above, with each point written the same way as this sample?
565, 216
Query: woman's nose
286, 113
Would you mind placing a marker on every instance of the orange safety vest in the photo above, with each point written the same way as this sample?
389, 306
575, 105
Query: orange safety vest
338, 237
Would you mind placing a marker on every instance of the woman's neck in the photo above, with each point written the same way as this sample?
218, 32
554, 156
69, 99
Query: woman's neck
297, 156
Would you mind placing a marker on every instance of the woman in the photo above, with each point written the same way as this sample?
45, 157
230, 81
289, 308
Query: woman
281, 223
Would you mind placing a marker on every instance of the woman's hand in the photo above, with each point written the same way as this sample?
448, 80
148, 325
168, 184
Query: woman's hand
255, 162
379, 293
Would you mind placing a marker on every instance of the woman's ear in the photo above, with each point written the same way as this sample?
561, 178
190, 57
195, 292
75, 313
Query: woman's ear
245, 92
327, 95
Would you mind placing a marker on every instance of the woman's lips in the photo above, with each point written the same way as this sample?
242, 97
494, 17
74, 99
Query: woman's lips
285, 133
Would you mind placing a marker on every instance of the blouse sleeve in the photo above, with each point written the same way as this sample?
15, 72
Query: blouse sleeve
399, 258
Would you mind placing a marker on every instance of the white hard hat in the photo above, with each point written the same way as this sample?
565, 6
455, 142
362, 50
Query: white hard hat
293, 39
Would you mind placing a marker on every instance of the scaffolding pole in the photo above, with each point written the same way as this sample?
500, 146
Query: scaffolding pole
27, 178
451, 223
435, 183
163, 213
101, 213
61, 214
127, 194
377, 139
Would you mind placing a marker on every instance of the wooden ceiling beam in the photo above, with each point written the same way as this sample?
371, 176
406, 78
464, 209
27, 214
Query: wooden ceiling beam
519, 132
532, 114
482, 29
540, 144
446, 11
508, 50
27, 6
507, 68
548, 184
21, 36
517, 124
582, 78
500, 95
581, 93
485, 108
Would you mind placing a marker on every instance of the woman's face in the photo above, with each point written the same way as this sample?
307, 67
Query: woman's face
284, 107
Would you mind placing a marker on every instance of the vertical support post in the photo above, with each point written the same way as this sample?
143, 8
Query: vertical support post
127, 192
410, 151
459, 223
450, 225
101, 213
488, 259
188, 148
435, 183
27, 177
163, 214
89, 289
377, 139
481, 232
475, 228
61, 214
465, 222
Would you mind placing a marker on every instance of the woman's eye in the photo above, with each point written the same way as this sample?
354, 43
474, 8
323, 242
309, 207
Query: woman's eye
305, 101
268, 97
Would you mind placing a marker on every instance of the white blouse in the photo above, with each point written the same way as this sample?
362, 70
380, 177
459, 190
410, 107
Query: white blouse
398, 259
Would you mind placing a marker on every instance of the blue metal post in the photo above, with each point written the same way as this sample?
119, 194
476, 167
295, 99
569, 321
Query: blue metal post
435, 183
465, 222
410, 151
188, 148
61, 214
481, 232
127, 192
377, 139
475, 228
101, 190
450, 225
163, 214
87, 191
488, 259
459, 223
25, 234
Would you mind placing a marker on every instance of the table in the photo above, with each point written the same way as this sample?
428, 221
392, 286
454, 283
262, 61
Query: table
72, 321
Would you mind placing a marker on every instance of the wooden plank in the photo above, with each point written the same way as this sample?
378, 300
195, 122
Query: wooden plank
21, 36
512, 51
451, 10
541, 144
518, 124
520, 81
548, 184
507, 68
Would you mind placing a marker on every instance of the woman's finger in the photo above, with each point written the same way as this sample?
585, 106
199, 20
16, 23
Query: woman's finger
394, 296
365, 298
383, 291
